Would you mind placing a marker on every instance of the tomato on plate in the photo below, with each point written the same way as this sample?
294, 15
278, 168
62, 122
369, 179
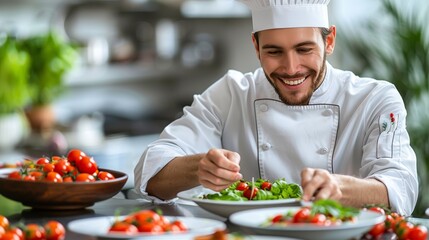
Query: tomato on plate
250, 193
418, 232
266, 186
242, 186
302, 215
123, 227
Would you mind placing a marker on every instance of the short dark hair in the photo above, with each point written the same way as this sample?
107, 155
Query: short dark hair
324, 31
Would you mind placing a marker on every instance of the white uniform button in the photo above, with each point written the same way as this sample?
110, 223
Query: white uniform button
327, 112
323, 150
266, 146
263, 107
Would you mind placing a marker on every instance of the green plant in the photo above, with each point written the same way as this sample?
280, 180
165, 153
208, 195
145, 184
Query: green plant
398, 51
51, 58
14, 65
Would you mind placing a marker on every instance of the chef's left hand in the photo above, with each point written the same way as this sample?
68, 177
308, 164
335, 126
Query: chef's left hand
320, 184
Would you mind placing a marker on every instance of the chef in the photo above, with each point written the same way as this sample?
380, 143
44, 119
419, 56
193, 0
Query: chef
296, 117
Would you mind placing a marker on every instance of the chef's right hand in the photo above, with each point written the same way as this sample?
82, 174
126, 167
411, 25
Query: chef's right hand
218, 169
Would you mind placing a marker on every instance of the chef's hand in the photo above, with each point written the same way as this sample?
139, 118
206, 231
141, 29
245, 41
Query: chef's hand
319, 184
218, 169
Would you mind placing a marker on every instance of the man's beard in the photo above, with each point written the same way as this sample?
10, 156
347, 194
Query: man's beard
315, 84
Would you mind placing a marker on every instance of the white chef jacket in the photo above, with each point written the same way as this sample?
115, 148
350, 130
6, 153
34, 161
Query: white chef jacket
353, 126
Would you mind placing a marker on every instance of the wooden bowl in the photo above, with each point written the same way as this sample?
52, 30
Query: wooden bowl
61, 196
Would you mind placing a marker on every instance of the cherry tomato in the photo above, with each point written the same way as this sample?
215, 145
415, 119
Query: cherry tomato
17, 232
318, 218
4, 222
302, 215
124, 227
418, 232
2, 231
266, 186
54, 230
29, 178
54, 177
85, 177
250, 193
403, 228
10, 236
67, 179
378, 209
38, 175
180, 224
15, 175
49, 167
34, 231
277, 218
144, 216
377, 230
61, 166
150, 227
103, 175
241, 186
42, 161
87, 165
74, 156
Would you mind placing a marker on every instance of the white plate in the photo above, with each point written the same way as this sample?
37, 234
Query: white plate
253, 220
226, 208
99, 226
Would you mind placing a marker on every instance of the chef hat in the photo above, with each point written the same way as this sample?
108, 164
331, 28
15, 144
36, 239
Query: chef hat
270, 14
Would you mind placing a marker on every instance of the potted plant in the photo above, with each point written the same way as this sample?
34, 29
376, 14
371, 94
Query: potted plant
51, 58
14, 65
399, 54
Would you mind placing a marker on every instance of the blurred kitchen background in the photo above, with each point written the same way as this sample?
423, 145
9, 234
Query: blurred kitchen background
139, 62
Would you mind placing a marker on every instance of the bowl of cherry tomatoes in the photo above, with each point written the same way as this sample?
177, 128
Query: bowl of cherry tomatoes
66, 182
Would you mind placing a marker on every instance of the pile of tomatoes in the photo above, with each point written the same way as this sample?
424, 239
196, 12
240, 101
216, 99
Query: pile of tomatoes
51, 230
147, 221
398, 225
75, 167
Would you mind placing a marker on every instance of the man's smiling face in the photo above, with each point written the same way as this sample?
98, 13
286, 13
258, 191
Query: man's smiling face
294, 60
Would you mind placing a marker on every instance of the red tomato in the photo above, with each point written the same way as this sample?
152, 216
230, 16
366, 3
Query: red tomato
34, 231
102, 175
418, 232
124, 227
85, 177
61, 166
250, 193
377, 230
74, 156
15, 175
2, 231
10, 236
318, 218
144, 216
378, 209
54, 230
49, 167
266, 186
67, 179
54, 177
241, 186
17, 232
403, 228
180, 224
42, 161
4, 222
37, 175
29, 178
150, 227
87, 165
277, 218
302, 215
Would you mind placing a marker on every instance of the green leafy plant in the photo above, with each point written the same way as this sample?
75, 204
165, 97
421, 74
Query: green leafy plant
14, 65
399, 52
51, 58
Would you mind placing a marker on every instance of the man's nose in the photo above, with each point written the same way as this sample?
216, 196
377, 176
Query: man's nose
290, 62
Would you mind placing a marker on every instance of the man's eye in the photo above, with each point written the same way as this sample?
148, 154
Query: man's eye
274, 52
304, 50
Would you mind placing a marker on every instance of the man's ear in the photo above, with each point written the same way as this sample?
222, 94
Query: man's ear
330, 40
255, 45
